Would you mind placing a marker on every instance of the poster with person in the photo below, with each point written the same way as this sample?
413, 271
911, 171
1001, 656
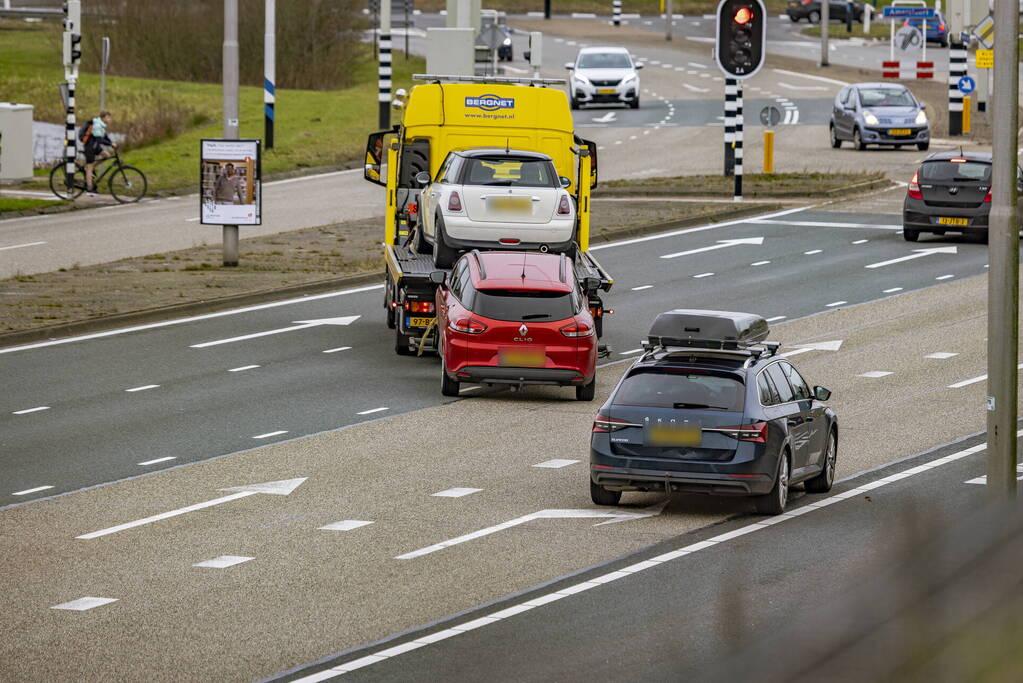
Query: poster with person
229, 182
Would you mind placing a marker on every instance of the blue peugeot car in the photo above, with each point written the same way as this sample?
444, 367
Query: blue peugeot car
711, 408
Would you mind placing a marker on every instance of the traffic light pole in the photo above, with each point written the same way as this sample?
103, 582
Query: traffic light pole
616, 12
72, 57
1003, 256
269, 73
825, 24
731, 93
738, 142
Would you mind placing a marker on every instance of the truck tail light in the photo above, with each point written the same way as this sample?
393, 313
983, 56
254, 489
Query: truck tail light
756, 432
914, 187
419, 306
603, 424
577, 329
596, 312
412, 209
468, 325
454, 202
564, 207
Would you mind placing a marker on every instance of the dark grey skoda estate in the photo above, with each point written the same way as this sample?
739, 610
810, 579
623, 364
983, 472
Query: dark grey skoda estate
710, 408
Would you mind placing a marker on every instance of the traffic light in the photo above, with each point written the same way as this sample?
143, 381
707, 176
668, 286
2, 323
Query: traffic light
72, 48
741, 37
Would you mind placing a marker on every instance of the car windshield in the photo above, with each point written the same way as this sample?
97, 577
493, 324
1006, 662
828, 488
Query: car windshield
519, 305
509, 172
681, 389
977, 171
886, 97
604, 60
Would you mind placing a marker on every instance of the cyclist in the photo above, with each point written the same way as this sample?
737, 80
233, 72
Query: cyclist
97, 144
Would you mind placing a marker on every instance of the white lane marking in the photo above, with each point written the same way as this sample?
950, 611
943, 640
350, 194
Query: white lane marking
760, 263
373, 410
861, 241
703, 275
917, 253
223, 562
345, 525
26, 411
697, 65
153, 462
269, 434
192, 220
822, 79
145, 387
776, 318
834, 345
875, 374
982, 480
694, 88
82, 604
974, 380
721, 244
629, 352
205, 316
277, 488
609, 577
667, 66
892, 290
636, 289
28, 491
315, 176
606, 118
944, 277
812, 252
455, 492
654, 62
823, 224
836, 303
243, 368
632, 137
941, 355
340, 348
515, 69
299, 325
19, 246
556, 463
801, 87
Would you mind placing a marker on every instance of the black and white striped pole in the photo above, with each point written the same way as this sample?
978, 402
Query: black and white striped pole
72, 56
616, 12
269, 73
738, 142
731, 92
384, 68
956, 70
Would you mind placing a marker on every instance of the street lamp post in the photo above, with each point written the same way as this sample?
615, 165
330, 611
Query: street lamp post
230, 232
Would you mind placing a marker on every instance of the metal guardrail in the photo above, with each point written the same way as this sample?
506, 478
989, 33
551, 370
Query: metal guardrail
31, 13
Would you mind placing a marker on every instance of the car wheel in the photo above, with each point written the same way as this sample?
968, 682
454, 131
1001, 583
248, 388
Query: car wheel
814, 17
635, 103
858, 142
910, 235
922, 146
401, 344
774, 502
835, 142
448, 386
822, 482
443, 255
602, 496
586, 392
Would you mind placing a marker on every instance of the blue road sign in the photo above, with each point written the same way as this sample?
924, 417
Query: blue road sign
967, 85
909, 12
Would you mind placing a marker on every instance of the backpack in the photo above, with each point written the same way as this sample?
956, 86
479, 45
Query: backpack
85, 133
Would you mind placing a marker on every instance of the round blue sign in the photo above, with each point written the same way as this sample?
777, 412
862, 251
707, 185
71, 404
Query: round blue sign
967, 85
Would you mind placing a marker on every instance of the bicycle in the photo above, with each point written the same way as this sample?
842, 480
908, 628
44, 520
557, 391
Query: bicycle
127, 184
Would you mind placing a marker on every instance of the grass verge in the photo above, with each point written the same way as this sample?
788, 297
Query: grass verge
839, 32
753, 185
8, 204
601, 7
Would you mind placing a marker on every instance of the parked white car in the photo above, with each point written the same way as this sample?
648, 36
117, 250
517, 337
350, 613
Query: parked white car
604, 75
493, 199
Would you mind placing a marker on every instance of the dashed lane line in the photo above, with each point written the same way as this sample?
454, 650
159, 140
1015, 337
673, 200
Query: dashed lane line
26, 411
974, 380
145, 387
269, 434
158, 460
373, 410
243, 368
20, 246
28, 491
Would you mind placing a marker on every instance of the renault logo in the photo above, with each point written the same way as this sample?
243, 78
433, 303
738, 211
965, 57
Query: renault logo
523, 330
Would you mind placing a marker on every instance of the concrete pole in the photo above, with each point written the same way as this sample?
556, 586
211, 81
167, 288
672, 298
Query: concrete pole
825, 24
667, 19
384, 68
230, 232
1003, 257
269, 73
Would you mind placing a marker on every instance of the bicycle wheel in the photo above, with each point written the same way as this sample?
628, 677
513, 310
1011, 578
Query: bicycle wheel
58, 186
127, 184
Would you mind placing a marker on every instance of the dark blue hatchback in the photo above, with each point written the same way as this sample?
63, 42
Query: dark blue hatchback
710, 408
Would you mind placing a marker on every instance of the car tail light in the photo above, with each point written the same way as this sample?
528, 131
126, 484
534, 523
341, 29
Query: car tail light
756, 432
603, 424
914, 187
941, 27
468, 325
807, 2
419, 306
564, 208
987, 197
454, 202
577, 329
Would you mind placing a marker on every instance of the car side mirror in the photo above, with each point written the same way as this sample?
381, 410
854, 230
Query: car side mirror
923, 106
821, 394
565, 182
423, 178
569, 65
638, 66
437, 277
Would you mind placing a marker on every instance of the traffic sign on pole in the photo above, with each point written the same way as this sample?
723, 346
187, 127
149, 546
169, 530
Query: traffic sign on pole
967, 85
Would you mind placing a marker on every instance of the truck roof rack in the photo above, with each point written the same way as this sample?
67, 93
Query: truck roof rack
444, 78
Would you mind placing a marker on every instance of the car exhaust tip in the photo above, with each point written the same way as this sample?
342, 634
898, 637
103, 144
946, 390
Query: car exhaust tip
544, 248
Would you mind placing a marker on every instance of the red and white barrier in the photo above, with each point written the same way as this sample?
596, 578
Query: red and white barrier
894, 69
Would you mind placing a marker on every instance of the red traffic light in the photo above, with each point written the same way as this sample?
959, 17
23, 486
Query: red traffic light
743, 16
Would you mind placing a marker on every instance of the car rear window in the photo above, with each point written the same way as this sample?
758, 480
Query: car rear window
680, 388
505, 172
523, 305
886, 97
977, 171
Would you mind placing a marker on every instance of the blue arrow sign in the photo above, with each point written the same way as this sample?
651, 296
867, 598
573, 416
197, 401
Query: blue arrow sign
909, 12
967, 85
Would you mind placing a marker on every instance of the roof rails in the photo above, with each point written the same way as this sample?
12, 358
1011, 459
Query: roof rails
439, 78
561, 267
479, 264
750, 352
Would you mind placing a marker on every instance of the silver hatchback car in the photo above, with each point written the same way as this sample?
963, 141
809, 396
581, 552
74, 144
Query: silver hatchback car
879, 114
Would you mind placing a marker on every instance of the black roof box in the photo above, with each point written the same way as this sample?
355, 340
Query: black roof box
707, 329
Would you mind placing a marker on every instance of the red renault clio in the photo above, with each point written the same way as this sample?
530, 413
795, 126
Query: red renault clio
515, 318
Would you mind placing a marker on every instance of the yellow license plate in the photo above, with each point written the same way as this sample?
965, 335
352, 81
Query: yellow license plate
419, 322
606, 91
665, 435
511, 204
521, 358
899, 131
947, 220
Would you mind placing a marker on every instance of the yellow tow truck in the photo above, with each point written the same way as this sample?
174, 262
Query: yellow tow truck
458, 113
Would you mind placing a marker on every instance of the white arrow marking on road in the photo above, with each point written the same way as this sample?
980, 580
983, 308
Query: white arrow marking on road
606, 118
818, 346
722, 244
542, 514
918, 254
299, 325
278, 488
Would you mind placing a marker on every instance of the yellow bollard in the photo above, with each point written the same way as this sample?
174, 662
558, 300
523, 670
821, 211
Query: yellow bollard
966, 115
768, 151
